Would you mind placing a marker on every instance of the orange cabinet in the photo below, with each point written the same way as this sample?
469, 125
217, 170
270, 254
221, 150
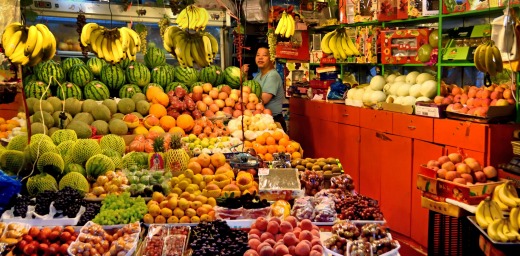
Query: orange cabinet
375, 119
370, 164
345, 114
297, 106
297, 130
416, 127
328, 141
470, 135
348, 150
422, 153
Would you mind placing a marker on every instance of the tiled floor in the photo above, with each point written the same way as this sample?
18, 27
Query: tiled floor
409, 247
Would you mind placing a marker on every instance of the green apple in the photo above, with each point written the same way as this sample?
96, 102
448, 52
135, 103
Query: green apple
185, 139
192, 137
211, 147
191, 146
204, 143
225, 138
212, 141
197, 141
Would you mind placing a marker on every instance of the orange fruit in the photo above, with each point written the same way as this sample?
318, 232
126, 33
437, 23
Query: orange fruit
260, 140
177, 130
248, 144
296, 155
272, 149
261, 156
162, 98
280, 149
290, 149
295, 145
266, 134
286, 136
152, 91
185, 122
284, 142
261, 150
2, 120
277, 135
157, 110
268, 157
270, 141
207, 171
167, 122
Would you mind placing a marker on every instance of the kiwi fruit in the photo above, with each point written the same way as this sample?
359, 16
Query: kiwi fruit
309, 166
298, 162
336, 169
300, 168
316, 168
321, 163
330, 160
321, 159
327, 167
327, 174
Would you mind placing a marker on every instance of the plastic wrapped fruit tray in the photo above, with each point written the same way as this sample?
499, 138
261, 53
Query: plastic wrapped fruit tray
327, 252
34, 219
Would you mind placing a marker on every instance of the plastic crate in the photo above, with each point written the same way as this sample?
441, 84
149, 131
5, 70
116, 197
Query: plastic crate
451, 236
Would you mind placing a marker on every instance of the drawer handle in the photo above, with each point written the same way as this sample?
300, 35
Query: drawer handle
346, 115
411, 127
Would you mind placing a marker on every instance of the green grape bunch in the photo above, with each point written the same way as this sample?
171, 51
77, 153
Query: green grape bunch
163, 24
121, 209
271, 40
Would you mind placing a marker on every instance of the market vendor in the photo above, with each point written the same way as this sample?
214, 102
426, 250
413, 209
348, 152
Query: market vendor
271, 82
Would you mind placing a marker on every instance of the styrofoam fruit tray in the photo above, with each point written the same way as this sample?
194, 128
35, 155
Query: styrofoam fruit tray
9, 217
325, 235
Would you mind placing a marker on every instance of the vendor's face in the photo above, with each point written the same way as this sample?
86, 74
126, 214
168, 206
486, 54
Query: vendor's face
262, 58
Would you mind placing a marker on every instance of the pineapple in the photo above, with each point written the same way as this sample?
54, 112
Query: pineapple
156, 159
176, 157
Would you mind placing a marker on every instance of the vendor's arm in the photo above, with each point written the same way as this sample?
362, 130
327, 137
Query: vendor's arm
270, 88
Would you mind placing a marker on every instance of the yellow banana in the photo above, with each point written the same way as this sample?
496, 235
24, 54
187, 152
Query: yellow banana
497, 56
493, 230
123, 37
325, 42
496, 212
10, 30
352, 46
487, 213
196, 55
13, 42
491, 65
282, 24
186, 49
208, 53
117, 51
86, 31
500, 232
94, 37
290, 26
32, 37
38, 48
513, 218
34, 60
200, 49
133, 35
344, 45
334, 47
506, 197
214, 44
340, 49
480, 215
49, 42
476, 58
99, 46
182, 19
497, 200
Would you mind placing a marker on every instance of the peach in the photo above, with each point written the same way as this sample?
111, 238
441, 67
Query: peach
270, 241
316, 241
262, 245
265, 236
462, 168
477, 102
451, 175
496, 95
207, 99
266, 251
472, 93
292, 220
315, 233
226, 88
297, 231
480, 176
290, 239
281, 250
206, 87
197, 89
455, 158
253, 231
306, 224
467, 177
306, 235
432, 163
510, 101
314, 227
493, 103
460, 181
448, 166
456, 99
273, 227
228, 110
278, 243
443, 159
278, 237
464, 110
507, 94
250, 106
286, 227
223, 95
302, 249
251, 252
292, 248
486, 102
463, 98
315, 253
446, 101
485, 94
450, 108
237, 113
470, 102
471, 111
248, 112
473, 164
253, 236
438, 100
214, 108
220, 103
490, 172
213, 93
317, 247
456, 90
276, 219
229, 102
261, 224
253, 243
441, 173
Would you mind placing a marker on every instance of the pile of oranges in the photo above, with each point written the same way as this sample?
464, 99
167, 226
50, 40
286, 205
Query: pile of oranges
267, 144
6, 127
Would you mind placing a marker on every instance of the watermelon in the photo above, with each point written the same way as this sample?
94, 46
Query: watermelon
80, 75
162, 75
69, 90
138, 73
113, 76
173, 85
151, 85
35, 89
98, 165
256, 88
29, 78
51, 69
96, 90
187, 76
212, 74
128, 90
68, 63
232, 76
124, 63
154, 57
95, 65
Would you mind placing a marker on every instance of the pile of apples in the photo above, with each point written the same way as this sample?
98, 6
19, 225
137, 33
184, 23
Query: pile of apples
226, 102
46, 241
475, 101
468, 171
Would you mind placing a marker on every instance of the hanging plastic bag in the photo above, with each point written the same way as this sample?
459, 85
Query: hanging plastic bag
9, 187
256, 11
337, 91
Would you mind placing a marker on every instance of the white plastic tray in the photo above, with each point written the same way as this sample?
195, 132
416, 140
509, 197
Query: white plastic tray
327, 252
9, 217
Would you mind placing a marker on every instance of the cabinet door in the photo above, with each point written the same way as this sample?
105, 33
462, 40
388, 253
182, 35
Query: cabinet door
370, 164
396, 176
422, 153
297, 124
328, 144
348, 149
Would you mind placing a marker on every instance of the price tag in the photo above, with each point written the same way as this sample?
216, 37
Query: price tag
263, 171
427, 111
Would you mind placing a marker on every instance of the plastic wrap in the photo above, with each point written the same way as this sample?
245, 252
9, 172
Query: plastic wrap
255, 213
175, 245
325, 210
280, 209
303, 208
313, 182
125, 240
227, 213
346, 229
343, 181
32, 218
359, 248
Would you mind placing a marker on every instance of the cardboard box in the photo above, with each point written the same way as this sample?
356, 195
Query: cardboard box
365, 10
402, 9
430, 109
454, 6
397, 108
441, 207
400, 46
296, 49
430, 9
469, 194
366, 43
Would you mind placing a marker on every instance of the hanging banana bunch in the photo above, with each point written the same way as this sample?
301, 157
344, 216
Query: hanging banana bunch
189, 49
286, 26
112, 45
193, 18
339, 44
488, 59
28, 45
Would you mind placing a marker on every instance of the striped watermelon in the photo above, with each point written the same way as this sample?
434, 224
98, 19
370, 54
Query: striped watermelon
128, 90
29, 78
80, 75
51, 69
162, 75
95, 65
68, 63
138, 73
69, 90
173, 85
154, 57
35, 89
113, 76
187, 76
151, 85
232, 76
212, 74
96, 90
256, 88
124, 63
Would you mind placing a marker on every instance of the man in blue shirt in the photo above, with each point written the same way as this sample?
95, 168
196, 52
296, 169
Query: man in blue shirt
272, 86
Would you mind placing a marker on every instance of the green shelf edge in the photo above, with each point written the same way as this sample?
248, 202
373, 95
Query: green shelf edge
455, 64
